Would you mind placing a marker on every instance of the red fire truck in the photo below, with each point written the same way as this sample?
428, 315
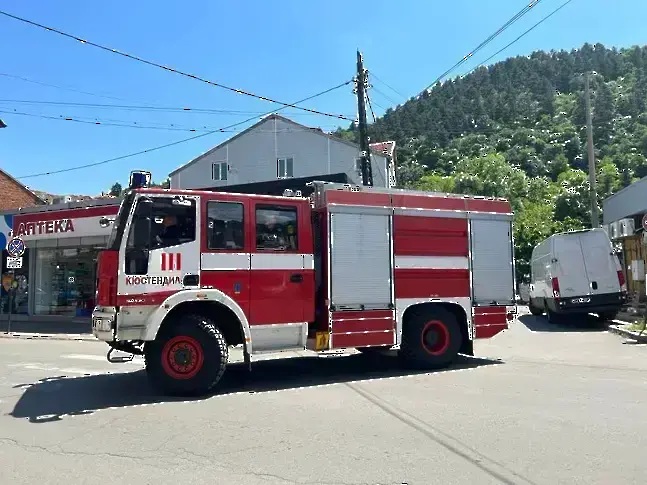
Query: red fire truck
188, 274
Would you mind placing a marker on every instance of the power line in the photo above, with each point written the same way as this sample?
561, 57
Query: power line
178, 142
128, 124
514, 19
388, 86
141, 107
371, 107
523, 35
21, 78
167, 68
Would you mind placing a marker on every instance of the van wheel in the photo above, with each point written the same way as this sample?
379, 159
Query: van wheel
431, 339
534, 310
552, 317
188, 357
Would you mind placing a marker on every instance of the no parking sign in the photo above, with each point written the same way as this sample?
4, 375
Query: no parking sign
16, 248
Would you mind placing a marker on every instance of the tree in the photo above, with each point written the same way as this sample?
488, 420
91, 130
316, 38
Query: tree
116, 189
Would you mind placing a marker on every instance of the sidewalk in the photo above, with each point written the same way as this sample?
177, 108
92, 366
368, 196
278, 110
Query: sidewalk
47, 330
628, 324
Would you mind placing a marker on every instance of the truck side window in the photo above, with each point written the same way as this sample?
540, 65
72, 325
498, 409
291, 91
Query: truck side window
173, 223
276, 228
225, 225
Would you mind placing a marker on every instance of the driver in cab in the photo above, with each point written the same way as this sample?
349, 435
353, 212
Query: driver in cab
170, 233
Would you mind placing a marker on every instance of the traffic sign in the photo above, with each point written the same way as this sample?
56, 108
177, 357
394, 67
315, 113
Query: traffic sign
16, 247
14, 263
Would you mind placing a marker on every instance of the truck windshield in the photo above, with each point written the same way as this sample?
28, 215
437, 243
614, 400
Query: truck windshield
117, 233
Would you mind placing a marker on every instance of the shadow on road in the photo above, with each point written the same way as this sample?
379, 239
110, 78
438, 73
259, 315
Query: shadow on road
575, 323
53, 398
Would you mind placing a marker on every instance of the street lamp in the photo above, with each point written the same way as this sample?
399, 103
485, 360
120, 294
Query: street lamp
2, 124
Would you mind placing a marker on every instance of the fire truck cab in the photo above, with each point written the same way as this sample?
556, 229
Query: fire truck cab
188, 274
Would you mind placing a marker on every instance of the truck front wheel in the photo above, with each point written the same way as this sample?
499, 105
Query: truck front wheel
431, 339
188, 357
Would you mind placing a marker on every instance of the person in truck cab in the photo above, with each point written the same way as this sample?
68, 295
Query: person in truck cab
170, 234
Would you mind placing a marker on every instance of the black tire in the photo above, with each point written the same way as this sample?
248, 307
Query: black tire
534, 310
191, 339
608, 316
431, 339
552, 317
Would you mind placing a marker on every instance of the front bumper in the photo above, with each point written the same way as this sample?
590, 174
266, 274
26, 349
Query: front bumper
104, 323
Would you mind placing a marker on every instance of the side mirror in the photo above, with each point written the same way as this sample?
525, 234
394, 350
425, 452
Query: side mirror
105, 221
142, 233
144, 208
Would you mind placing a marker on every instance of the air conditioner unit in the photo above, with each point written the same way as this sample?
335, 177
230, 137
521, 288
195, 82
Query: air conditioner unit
626, 227
612, 230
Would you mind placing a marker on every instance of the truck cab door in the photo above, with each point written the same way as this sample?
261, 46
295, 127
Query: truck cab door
278, 284
161, 252
226, 247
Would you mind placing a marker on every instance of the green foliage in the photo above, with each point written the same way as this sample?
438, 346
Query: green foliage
116, 189
517, 130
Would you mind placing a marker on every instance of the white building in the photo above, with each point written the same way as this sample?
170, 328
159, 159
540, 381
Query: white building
279, 148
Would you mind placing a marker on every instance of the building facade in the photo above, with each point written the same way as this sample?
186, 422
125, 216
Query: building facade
625, 219
57, 279
278, 148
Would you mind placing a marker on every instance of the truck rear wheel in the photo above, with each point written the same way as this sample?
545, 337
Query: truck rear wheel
431, 339
188, 357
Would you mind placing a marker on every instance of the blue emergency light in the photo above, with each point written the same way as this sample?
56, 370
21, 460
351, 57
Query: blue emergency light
139, 179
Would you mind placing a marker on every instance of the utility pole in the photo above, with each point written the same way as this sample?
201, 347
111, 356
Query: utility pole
361, 83
591, 151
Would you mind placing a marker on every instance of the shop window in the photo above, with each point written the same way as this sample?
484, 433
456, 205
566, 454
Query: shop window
65, 281
18, 303
225, 225
276, 228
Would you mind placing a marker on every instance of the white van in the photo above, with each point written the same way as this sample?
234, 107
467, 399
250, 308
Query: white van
576, 273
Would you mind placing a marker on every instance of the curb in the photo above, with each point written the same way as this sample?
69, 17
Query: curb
44, 336
618, 330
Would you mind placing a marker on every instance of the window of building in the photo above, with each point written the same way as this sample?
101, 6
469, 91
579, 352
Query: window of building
225, 225
284, 168
276, 228
219, 171
65, 281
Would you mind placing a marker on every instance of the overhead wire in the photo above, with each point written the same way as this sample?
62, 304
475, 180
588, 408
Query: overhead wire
377, 78
169, 69
33, 81
123, 123
522, 35
178, 142
370, 107
501, 29
140, 107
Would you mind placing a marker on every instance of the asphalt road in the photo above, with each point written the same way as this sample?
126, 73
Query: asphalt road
541, 405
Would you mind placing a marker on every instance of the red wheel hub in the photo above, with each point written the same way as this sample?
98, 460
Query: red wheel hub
182, 357
435, 337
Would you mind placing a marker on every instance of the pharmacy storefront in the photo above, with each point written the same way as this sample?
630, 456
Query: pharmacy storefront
58, 275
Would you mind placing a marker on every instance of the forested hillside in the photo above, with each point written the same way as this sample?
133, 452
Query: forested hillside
517, 129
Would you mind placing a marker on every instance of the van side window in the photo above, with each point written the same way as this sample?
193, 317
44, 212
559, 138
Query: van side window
225, 225
276, 228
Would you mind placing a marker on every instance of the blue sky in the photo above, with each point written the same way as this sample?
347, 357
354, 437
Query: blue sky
287, 50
